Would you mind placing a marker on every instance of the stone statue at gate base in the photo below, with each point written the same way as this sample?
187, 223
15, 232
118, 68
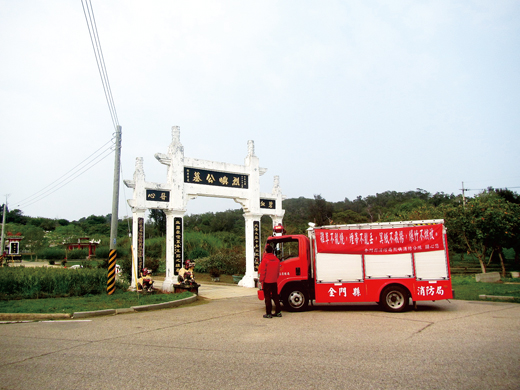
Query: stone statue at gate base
186, 279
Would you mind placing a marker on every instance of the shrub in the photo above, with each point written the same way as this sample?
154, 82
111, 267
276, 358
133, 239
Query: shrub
154, 248
236, 264
88, 264
230, 263
230, 240
44, 282
152, 264
53, 253
197, 253
196, 240
126, 268
102, 252
204, 264
77, 254
215, 272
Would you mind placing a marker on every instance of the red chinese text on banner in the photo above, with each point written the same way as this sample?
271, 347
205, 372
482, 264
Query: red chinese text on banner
380, 241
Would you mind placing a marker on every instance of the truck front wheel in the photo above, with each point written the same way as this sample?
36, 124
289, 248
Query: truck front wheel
295, 299
395, 299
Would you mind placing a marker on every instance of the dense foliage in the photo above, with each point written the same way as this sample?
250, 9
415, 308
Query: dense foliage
231, 262
481, 227
44, 282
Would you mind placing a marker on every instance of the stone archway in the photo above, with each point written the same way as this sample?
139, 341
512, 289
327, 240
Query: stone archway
189, 178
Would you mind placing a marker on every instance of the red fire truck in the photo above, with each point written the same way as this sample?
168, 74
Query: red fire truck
387, 263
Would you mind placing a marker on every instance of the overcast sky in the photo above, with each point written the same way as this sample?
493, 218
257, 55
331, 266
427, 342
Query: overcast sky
342, 98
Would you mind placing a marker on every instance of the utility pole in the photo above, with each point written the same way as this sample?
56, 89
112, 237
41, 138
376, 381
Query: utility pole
115, 198
3, 229
111, 281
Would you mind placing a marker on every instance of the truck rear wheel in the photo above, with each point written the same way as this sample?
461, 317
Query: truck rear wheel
395, 299
295, 299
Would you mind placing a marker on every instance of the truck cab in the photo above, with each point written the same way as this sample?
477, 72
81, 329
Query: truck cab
294, 283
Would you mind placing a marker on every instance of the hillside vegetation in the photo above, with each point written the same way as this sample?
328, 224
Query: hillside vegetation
483, 231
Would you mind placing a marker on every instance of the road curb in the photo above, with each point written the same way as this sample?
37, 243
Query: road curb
165, 305
33, 316
133, 309
497, 297
96, 313
9, 317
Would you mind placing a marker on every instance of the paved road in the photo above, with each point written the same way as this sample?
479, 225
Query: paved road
226, 344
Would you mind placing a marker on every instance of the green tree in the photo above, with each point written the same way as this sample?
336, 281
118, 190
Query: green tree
34, 238
63, 222
94, 225
321, 211
486, 224
13, 216
348, 217
158, 220
46, 224
413, 210
297, 215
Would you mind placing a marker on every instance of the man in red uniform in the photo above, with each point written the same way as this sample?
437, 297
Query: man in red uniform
268, 271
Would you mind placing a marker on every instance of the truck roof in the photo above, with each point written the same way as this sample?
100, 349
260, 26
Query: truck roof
378, 225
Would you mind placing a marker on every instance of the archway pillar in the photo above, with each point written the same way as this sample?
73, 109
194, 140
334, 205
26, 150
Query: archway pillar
174, 247
277, 220
138, 226
253, 248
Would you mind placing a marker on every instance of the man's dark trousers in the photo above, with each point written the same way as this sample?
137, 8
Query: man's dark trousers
271, 292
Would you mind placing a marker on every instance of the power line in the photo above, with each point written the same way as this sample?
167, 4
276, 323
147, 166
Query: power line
47, 193
29, 198
464, 190
98, 53
485, 189
84, 166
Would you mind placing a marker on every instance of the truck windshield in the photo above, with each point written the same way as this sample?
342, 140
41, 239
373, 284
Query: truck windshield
285, 249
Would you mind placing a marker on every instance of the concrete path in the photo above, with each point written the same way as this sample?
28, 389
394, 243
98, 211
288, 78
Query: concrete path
216, 290
34, 264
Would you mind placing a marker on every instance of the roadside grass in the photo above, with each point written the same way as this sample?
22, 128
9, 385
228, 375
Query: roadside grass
119, 300
466, 288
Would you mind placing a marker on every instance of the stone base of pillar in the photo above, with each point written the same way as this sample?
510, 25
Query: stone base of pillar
247, 281
179, 288
167, 285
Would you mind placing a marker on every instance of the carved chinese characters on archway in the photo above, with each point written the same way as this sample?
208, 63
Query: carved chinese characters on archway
267, 204
140, 244
158, 196
256, 243
215, 178
177, 254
